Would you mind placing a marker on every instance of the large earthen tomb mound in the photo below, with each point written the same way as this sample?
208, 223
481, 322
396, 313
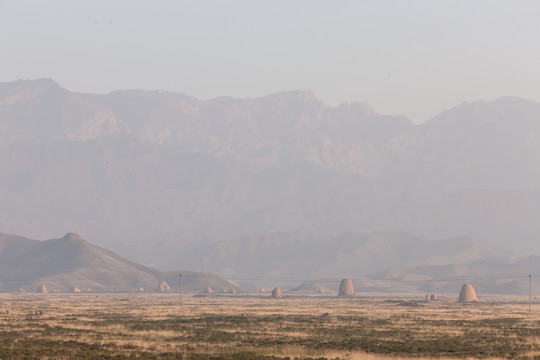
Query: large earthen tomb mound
346, 288
467, 294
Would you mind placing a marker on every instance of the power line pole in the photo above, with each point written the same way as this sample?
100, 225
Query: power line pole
530, 293
180, 292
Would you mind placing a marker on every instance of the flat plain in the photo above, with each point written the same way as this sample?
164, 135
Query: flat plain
156, 326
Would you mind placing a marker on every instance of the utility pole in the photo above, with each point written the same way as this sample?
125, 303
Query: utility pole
180, 292
530, 293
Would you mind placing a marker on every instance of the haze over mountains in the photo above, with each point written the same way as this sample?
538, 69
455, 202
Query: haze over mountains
156, 175
410, 263
378, 261
302, 255
70, 262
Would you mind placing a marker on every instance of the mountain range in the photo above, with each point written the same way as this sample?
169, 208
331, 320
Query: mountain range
410, 263
302, 255
157, 176
62, 265
388, 262
490, 276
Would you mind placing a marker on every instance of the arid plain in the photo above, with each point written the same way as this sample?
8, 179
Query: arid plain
158, 326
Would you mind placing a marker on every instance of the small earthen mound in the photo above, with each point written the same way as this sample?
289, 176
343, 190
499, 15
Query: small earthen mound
208, 291
276, 293
163, 287
232, 291
346, 288
76, 290
467, 294
431, 297
262, 290
41, 289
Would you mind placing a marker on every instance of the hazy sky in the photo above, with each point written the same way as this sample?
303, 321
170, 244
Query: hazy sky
414, 58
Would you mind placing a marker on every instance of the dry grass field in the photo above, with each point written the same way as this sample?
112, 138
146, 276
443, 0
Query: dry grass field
154, 326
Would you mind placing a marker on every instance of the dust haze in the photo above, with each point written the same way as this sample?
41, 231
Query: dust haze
269, 180
277, 186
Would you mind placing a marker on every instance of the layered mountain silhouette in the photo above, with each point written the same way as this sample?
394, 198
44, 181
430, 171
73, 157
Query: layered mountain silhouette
72, 263
302, 255
378, 262
152, 174
490, 276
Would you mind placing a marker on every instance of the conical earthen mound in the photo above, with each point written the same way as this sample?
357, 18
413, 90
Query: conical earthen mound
41, 289
467, 294
346, 288
163, 287
276, 293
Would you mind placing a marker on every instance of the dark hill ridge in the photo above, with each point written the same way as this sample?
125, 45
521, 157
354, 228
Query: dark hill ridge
69, 262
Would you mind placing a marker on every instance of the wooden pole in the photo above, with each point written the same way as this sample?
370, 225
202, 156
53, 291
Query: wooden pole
180, 291
530, 293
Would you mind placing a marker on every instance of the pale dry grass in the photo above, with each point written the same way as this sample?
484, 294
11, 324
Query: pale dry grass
133, 323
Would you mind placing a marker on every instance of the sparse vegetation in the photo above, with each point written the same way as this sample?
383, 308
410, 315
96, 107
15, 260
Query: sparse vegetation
153, 326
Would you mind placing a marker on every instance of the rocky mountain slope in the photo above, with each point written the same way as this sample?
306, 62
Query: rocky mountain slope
70, 262
147, 173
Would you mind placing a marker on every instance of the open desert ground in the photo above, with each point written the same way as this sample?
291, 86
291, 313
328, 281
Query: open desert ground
158, 326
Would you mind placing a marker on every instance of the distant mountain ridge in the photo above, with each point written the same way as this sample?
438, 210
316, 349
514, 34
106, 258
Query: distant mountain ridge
70, 262
489, 275
302, 255
150, 172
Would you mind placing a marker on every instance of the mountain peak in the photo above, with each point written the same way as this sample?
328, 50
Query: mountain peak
72, 237
12, 92
305, 95
507, 109
43, 83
